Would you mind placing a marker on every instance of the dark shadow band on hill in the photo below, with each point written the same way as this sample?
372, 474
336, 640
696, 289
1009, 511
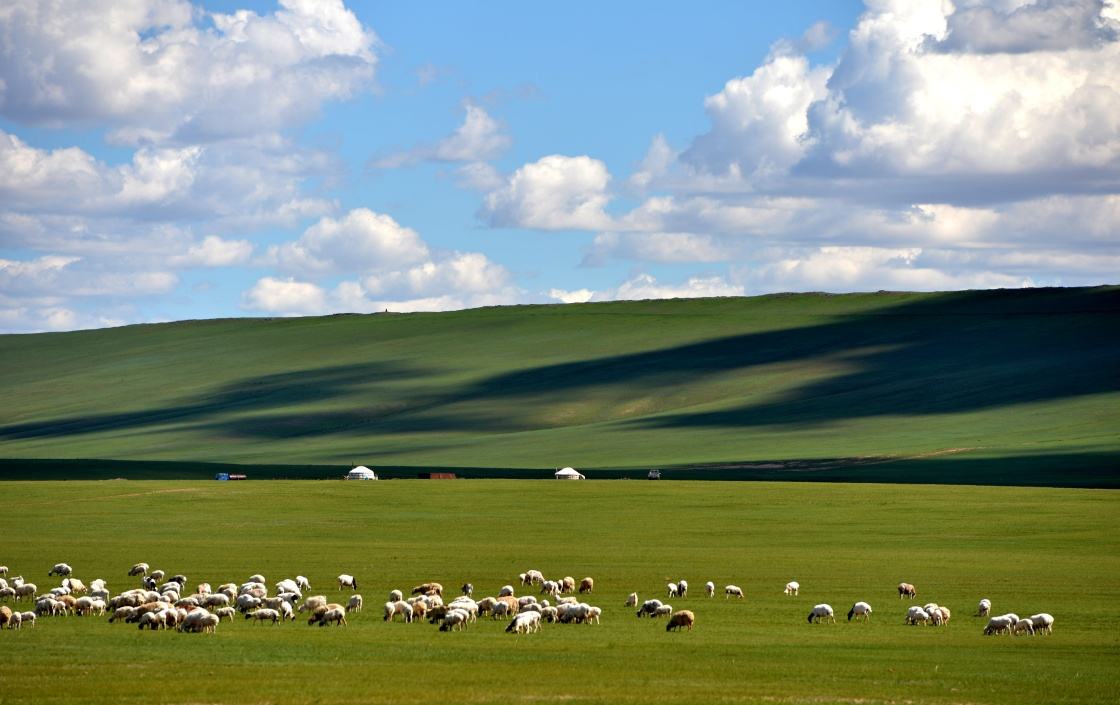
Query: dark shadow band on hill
1087, 470
938, 354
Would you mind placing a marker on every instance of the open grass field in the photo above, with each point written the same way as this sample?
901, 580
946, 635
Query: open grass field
1027, 549
989, 387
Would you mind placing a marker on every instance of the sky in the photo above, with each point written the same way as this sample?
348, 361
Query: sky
166, 159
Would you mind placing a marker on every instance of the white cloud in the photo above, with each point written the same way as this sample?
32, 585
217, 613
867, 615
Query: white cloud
478, 139
1027, 26
575, 296
360, 240
154, 70
646, 286
553, 193
213, 251
462, 273
286, 297
479, 176
656, 247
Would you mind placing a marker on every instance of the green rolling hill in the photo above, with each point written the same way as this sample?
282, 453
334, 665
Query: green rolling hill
1003, 387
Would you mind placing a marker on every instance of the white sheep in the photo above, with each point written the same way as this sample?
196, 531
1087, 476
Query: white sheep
16, 620
985, 608
524, 623
710, 588
533, 576
265, 614
347, 580
3, 570
355, 604
792, 587
257, 578
860, 609
822, 613
1043, 622
550, 587
228, 613
26, 590
286, 611
1023, 626
454, 620
648, 608
662, 611
303, 583
733, 590
917, 615
138, 569
60, 569
632, 600
400, 607
593, 614
287, 585
506, 591
336, 615
682, 587
27, 618
671, 589
395, 596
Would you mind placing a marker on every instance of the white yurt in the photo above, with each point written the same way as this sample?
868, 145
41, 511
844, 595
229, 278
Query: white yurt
569, 474
361, 473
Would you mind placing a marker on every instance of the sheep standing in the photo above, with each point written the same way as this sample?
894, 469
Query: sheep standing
355, 604
907, 590
733, 591
60, 569
28, 618
792, 587
347, 580
264, 615
138, 569
682, 587
586, 585
524, 623
1043, 622
671, 589
648, 608
985, 608
1023, 626
632, 600
917, 615
822, 613
996, 625
303, 583
860, 609
467, 589
710, 588
683, 618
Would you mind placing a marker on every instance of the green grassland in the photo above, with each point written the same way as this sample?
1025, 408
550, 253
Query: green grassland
1027, 549
989, 387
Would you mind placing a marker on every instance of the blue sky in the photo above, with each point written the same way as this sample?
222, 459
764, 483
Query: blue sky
163, 159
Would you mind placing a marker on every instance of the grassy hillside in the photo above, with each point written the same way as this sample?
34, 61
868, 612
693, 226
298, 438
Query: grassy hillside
841, 542
970, 386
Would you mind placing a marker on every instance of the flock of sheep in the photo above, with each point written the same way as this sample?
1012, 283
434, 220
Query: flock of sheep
163, 602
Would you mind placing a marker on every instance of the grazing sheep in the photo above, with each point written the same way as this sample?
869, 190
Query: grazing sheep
792, 587
346, 580
822, 613
944, 613
152, 620
286, 611
567, 584
662, 611
860, 609
682, 587
550, 587
83, 606
157, 575
671, 589
419, 609
287, 585
533, 577
632, 600
985, 608
60, 569
400, 607
355, 604
917, 615
586, 585
506, 591
907, 590
522, 602
467, 605
247, 603
122, 614
710, 588
256, 578
683, 618
138, 569
218, 599
395, 596
550, 614
320, 613
303, 583
264, 614
27, 618
467, 589
428, 589
525, 623
25, 590
733, 590
648, 608
512, 605
204, 589
75, 585
3, 570
228, 613
16, 620
1043, 622
1023, 626
5, 615
454, 620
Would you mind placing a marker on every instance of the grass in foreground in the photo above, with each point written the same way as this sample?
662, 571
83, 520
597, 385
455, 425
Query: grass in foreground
1027, 550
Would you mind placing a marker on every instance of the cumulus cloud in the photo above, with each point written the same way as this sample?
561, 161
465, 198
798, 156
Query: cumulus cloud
646, 286
213, 251
1021, 27
286, 297
160, 69
553, 193
360, 240
478, 139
